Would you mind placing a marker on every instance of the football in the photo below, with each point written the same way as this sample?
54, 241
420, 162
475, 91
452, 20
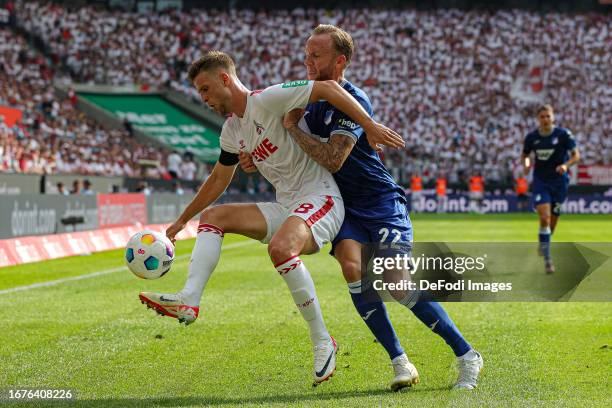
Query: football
149, 254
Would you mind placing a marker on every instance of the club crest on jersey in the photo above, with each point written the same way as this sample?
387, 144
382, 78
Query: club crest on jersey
241, 144
328, 117
259, 128
555, 141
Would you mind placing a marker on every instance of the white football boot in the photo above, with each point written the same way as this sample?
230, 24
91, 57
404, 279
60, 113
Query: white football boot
324, 360
406, 373
469, 369
170, 304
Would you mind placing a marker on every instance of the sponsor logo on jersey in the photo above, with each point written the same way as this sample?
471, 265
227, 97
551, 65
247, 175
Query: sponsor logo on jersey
264, 150
293, 84
259, 127
544, 154
347, 123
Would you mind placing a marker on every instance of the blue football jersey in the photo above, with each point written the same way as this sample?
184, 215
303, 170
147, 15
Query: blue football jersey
550, 152
367, 188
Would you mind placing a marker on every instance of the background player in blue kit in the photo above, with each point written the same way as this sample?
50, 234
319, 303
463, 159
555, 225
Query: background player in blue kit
555, 151
375, 206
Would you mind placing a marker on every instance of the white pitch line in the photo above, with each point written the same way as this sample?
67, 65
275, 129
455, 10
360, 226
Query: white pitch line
103, 272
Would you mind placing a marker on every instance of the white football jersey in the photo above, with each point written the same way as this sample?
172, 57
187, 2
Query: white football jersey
277, 157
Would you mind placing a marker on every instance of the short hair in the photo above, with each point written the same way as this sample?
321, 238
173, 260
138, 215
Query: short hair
341, 40
209, 61
545, 107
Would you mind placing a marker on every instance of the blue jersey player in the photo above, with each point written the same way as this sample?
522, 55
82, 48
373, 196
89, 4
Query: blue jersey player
555, 151
375, 205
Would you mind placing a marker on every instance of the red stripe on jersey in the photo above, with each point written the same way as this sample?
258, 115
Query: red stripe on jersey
321, 212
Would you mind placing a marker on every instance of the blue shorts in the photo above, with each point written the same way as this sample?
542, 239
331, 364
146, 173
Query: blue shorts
553, 192
393, 226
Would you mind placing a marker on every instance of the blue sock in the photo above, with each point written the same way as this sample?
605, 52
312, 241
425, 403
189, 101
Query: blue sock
374, 313
435, 317
544, 238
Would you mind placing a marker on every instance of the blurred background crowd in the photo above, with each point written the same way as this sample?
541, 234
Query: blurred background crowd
447, 80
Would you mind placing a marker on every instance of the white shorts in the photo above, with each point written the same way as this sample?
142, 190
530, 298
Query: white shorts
323, 214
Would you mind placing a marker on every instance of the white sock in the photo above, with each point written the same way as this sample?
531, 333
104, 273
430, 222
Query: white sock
400, 357
302, 289
204, 259
470, 355
545, 230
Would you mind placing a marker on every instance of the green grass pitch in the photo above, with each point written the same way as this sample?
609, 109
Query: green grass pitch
250, 346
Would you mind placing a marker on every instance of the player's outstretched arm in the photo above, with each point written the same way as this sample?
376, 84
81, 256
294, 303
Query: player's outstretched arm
330, 155
211, 189
377, 133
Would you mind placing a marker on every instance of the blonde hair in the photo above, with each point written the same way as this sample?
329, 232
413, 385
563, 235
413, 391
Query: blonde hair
210, 61
341, 40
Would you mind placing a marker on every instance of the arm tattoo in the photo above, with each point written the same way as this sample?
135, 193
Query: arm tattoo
329, 155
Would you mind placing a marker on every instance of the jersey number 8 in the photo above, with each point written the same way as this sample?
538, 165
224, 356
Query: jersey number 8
304, 208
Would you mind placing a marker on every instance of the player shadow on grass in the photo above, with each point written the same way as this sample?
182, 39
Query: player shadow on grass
307, 395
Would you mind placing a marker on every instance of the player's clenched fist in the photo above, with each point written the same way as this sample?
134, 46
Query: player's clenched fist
173, 230
246, 162
562, 169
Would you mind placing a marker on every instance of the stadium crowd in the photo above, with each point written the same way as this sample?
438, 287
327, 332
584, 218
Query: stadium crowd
444, 79
52, 136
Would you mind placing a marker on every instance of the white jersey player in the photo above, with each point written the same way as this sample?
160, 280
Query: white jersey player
309, 211
303, 187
